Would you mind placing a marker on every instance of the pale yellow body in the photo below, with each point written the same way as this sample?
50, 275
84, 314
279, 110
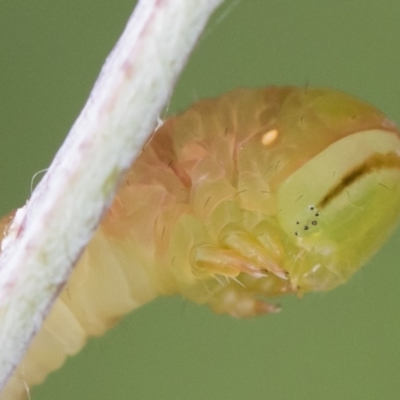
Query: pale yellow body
238, 199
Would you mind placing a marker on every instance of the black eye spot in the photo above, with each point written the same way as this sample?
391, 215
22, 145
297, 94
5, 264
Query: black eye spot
308, 221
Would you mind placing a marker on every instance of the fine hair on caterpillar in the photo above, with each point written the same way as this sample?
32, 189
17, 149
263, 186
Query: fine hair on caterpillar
233, 202
35, 175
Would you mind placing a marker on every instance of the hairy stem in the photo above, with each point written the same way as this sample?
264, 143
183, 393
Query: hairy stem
59, 219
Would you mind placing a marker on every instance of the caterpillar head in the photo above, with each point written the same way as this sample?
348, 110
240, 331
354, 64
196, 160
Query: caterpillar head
339, 205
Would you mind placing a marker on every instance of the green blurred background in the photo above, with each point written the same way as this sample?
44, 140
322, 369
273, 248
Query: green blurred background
338, 345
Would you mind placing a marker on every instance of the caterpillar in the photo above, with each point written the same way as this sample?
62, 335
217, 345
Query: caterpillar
239, 199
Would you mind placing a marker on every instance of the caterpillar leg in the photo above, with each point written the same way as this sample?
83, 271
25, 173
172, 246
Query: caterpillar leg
238, 303
252, 250
239, 254
212, 260
250, 273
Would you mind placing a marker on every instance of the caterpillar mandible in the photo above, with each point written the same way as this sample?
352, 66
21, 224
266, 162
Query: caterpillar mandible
255, 194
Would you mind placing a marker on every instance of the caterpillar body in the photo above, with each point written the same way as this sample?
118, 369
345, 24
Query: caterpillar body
255, 194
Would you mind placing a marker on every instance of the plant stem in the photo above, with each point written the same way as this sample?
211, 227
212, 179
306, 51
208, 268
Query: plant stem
52, 230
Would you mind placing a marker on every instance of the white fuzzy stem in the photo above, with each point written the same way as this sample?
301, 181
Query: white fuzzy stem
59, 219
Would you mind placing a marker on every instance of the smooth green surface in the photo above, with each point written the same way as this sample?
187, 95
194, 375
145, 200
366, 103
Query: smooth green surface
339, 345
